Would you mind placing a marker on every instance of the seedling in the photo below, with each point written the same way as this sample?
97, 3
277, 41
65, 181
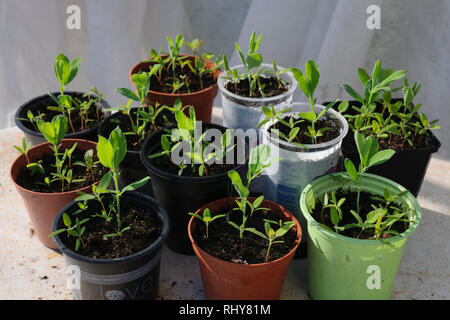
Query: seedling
334, 206
258, 162
75, 230
110, 153
400, 119
175, 62
200, 60
369, 156
66, 71
54, 132
31, 118
146, 115
25, 148
207, 219
252, 64
383, 216
271, 235
307, 83
199, 155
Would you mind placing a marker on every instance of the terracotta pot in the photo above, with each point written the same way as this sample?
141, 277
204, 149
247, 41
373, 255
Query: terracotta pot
223, 280
43, 207
201, 100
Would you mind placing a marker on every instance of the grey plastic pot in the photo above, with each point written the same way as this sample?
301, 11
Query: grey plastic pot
298, 166
245, 113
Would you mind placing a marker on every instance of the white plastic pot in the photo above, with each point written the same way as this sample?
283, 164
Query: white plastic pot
285, 180
244, 112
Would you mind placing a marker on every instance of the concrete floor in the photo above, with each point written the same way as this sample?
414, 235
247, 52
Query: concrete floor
28, 270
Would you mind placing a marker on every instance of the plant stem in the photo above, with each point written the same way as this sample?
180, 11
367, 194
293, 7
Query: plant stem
268, 251
117, 198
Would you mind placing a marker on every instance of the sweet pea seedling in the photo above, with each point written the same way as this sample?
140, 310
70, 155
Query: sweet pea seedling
395, 119
66, 71
258, 162
271, 235
369, 156
251, 62
146, 115
75, 230
110, 153
307, 83
206, 218
199, 153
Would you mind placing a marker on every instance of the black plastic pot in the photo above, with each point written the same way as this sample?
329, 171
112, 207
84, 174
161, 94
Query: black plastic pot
180, 195
44, 101
406, 167
131, 277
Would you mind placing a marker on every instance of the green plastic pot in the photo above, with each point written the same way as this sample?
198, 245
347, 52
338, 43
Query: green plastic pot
341, 267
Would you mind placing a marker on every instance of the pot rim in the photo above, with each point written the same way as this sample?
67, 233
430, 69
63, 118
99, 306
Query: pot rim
71, 135
310, 147
263, 101
366, 176
177, 95
42, 145
160, 212
252, 265
169, 176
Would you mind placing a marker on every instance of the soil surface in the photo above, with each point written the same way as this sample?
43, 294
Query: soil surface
134, 143
270, 84
36, 182
94, 114
366, 200
145, 228
224, 241
302, 138
185, 74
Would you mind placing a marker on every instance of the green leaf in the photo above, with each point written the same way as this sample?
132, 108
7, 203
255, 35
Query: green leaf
254, 60
353, 93
119, 145
363, 76
258, 233
128, 93
380, 157
74, 66
105, 181
258, 201
56, 232
105, 152
301, 80
85, 197
310, 116
313, 74
284, 229
135, 185
293, 133
343, 106
66, 220
334, 216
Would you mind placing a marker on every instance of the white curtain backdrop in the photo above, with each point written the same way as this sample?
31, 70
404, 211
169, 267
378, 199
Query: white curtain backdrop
115, 34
